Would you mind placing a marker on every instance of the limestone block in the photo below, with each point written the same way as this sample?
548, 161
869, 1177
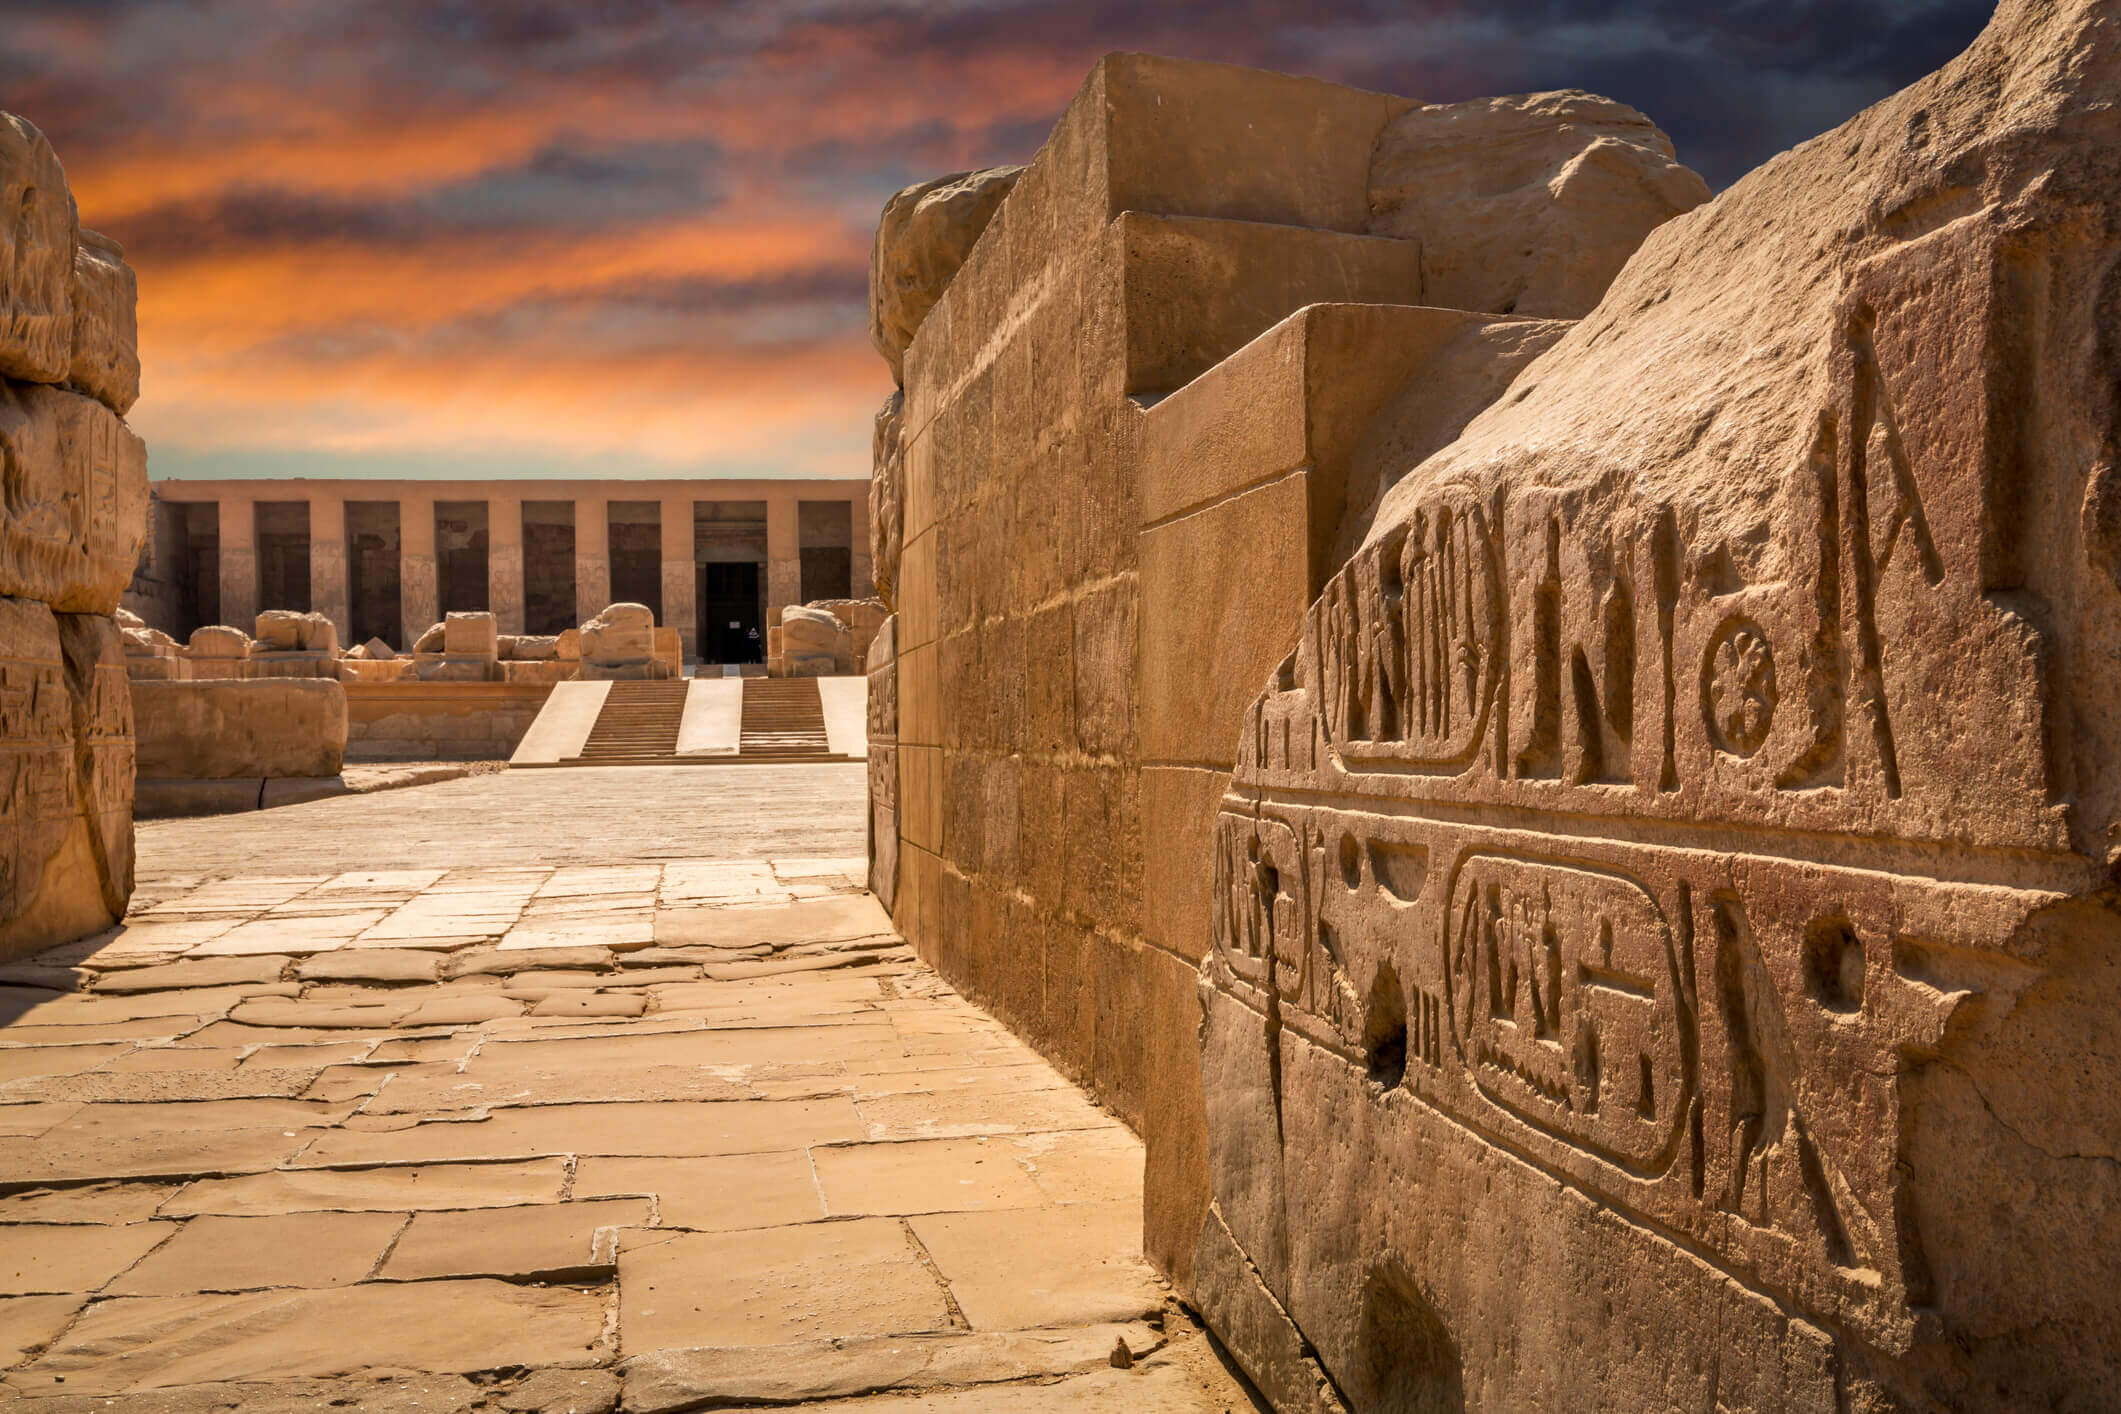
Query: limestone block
430, 641
75, 512
568, 644
809, 634
106, 328
887, 497
268, 728
1528, 204
66, 776
925, 234
377, 651
36, 258
810, 665
1599, 869
623, 633
472, 635
531, 648
285, 631
218, 641
670, 649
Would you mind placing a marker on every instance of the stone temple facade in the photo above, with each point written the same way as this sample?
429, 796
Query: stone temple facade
1550, 741
717, 560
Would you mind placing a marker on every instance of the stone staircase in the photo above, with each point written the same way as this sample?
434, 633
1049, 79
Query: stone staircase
638, 726
784, 720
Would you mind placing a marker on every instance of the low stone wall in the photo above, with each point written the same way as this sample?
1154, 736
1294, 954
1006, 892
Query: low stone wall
440, 721
240, 728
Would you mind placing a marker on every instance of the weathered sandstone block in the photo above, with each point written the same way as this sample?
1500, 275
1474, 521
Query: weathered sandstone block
471, 635
75, 509
66, 776
623, 633
567, 644
377, 651
926, 233
815, 642
36, 257
268, 728
285, 631
1664, 924
1526, 205
529, 648
106, 327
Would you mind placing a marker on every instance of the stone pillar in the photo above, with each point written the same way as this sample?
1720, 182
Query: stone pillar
592, 558
680, 575
862, 576
418, 600
784, 554
239, 564
330, 589
504, 562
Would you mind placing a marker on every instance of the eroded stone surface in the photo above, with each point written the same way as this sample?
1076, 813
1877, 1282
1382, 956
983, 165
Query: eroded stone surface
1529, 204
36, 257
926, 232
106, 335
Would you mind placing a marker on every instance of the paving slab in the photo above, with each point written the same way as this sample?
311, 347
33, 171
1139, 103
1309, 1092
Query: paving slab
774, 1286
709, 1194
248, 1253
409, 1188
553, 1241
117, 1347
29, 1323
1053, 1266
923, 1176
38, 1258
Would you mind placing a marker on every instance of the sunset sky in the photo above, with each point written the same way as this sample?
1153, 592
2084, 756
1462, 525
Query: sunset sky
630, 237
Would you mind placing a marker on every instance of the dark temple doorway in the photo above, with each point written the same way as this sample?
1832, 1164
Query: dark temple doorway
730, 631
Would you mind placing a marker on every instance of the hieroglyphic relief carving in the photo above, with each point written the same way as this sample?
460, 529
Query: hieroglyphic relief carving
1738, 693
1564, 990
1410, 641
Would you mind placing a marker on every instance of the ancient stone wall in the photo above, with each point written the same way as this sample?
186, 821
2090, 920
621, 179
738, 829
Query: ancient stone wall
1664, 918
72, 516
1099, 551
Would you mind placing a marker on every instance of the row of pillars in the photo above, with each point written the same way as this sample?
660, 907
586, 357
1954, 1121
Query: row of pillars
330, 585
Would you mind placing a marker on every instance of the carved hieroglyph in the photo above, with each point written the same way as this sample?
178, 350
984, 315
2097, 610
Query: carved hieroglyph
1664, 910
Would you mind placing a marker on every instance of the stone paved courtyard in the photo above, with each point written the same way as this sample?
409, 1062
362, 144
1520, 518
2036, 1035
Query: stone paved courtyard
564, 1090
